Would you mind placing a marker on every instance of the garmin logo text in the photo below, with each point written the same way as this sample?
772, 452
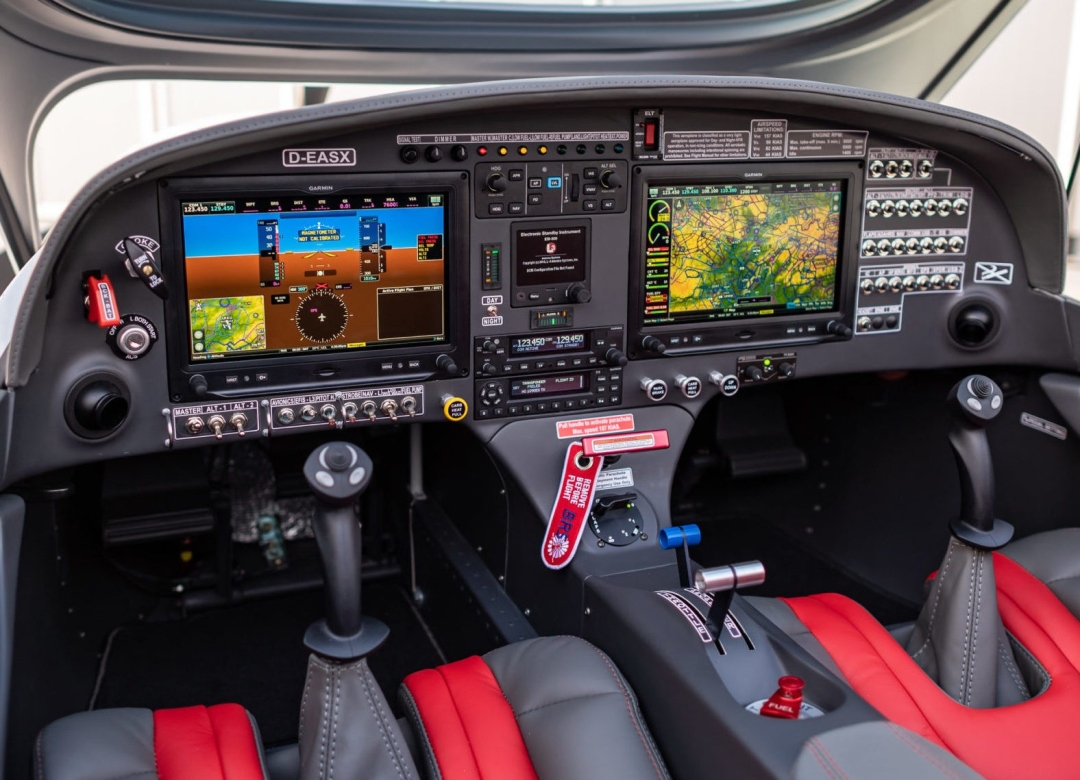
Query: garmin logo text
753, 175
318, 158
320, 188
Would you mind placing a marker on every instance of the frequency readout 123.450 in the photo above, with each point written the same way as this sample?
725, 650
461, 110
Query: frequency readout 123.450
560, 342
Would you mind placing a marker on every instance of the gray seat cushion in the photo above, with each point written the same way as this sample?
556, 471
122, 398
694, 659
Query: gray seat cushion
567, 698
1054, 558
118, 744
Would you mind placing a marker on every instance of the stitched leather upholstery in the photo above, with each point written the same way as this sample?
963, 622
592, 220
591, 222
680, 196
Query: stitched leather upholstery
1054, 558
191, 743
566, 697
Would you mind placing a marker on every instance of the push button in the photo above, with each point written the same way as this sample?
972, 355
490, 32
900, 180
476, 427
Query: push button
588, 205
607, 204
535, 199
515, 174
516, 208
496, 209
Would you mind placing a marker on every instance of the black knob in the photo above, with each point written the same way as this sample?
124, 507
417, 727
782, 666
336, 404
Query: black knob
433, 154
973, 324
752, 374
610, 179
786, 370
489, 369
410, 154
447, 364
653, 344
459, 153
578, 293
489, 346
495, 183
837, 328
100, 406
198, 385
615, 357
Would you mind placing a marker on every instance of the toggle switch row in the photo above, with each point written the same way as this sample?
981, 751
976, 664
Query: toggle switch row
895, 284
940, 207
913, 246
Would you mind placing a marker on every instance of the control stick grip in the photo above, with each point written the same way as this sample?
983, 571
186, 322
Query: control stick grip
337, 533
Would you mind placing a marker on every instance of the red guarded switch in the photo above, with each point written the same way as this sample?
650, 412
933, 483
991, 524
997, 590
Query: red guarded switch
787, 701
101, 308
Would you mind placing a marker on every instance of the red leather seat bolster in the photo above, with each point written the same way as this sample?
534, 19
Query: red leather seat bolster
206, 743
1005, 742
468, 722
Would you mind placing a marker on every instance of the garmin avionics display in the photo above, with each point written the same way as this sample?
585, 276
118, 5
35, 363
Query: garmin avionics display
557, 342
725, 251
549, 385
286, 275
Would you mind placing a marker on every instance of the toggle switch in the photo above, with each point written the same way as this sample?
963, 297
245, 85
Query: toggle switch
101, 307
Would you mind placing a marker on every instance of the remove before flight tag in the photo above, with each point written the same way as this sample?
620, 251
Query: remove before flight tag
572, 504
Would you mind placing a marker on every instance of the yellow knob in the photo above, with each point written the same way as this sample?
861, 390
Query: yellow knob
455, 408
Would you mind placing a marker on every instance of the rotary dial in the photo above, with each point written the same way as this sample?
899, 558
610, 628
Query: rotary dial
321, 317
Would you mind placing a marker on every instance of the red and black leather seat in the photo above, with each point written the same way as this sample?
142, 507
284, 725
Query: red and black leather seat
546, 709
190, 743
1035, 606
534, 710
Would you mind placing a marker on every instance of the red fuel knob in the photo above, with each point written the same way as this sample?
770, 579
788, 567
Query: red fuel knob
787, 701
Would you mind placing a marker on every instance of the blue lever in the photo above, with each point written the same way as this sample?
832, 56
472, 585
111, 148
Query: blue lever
677, 535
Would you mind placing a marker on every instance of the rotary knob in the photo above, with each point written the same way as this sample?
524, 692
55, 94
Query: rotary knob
653, 344
615, 357
495, 182
578, 293
610, 179
752, 374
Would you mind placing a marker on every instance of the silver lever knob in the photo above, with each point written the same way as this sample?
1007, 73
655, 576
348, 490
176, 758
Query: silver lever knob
730, 577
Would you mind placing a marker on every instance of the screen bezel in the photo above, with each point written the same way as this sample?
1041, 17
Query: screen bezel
299, 369
849, 173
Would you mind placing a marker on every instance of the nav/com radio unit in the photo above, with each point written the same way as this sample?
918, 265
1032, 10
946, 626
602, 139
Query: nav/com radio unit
289, 282
725, 257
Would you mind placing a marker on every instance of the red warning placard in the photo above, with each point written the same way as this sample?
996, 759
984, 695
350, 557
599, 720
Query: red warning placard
594, 426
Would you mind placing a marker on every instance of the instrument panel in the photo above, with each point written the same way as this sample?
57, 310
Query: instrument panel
483, 266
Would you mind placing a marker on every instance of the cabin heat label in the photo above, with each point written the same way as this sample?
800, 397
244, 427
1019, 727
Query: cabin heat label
567, 522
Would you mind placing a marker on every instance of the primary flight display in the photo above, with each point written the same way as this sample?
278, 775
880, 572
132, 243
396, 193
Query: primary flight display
284, 275
723, 251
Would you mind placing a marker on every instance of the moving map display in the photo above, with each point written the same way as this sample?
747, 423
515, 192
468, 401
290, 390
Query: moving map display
282, 275
723, 251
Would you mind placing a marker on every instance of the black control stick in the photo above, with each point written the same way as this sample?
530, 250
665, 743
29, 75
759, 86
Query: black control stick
974, 402
338, 473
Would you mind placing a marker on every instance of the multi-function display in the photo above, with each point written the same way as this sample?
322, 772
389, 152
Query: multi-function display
718, 251
287, 275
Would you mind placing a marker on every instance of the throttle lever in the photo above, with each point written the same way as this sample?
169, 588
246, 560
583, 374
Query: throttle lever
722, 582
